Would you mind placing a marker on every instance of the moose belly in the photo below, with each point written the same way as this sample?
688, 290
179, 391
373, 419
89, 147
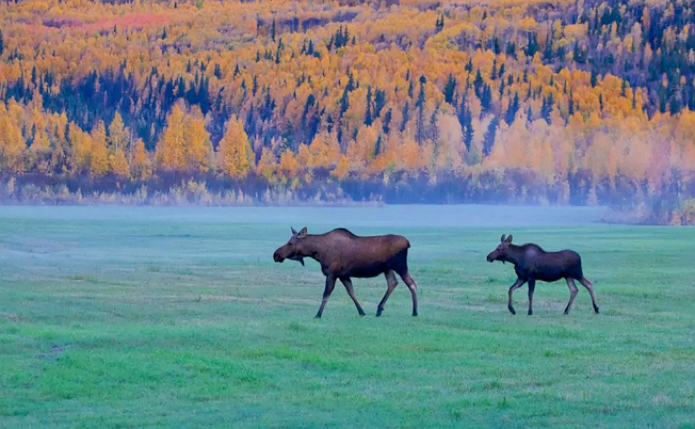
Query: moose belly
371, 270
549, 274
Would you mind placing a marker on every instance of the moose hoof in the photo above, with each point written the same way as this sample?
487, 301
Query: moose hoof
530, 313
318, 316
414, 314
378, 312
511, 309
596, 310
362, 314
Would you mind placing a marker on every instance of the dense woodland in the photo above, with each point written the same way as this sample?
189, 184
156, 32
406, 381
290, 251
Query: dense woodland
579, 102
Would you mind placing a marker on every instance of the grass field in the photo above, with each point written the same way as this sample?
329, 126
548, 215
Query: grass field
141, 317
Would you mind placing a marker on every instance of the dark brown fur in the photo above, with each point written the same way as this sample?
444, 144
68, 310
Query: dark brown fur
343, 255
532, 263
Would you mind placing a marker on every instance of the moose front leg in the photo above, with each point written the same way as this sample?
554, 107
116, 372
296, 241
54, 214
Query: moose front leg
514, 287
351, 291
330, 285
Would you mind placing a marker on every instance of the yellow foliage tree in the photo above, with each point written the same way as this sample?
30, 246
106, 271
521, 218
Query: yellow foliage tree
342, 169
411, 155
12, 143
40, 142
119, 163
81, 148
267, 165
304, 156
197, 141
234, 155
287, 169
99, 162
118, 134
324, 150
140, 163
171, 149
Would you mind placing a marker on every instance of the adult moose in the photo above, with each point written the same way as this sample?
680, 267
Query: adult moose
344, 255
532, 263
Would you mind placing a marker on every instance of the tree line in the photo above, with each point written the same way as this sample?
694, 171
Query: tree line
579, 102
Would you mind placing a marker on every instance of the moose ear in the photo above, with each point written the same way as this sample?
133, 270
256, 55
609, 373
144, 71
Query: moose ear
302, 233
509, 239
502, 238
293, 231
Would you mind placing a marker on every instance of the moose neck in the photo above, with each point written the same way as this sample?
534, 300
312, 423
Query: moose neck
514, 254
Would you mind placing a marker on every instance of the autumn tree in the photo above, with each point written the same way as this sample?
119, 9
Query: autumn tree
198, 148
267, 166
288, 166
12, 143
234, 155
118, 140
118, 134
140, 165
99, 160
171, 149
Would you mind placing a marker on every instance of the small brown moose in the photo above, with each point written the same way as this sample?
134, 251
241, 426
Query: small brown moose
532, 263
344, 255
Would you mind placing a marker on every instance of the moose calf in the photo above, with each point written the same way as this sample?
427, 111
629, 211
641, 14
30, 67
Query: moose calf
343, 255
532, 263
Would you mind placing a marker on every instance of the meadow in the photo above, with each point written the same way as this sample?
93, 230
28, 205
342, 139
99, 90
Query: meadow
178, 317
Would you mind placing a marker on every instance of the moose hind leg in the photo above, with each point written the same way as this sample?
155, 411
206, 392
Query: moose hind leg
573, 293
590, 287
410, 282
351, 291
330, 285
531, 288
391, 283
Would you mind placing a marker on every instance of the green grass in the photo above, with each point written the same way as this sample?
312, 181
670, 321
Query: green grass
132, 317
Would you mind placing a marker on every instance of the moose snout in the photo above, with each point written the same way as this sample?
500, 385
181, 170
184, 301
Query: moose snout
490, 258
277, 257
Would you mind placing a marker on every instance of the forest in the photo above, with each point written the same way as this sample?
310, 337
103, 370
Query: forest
397, 101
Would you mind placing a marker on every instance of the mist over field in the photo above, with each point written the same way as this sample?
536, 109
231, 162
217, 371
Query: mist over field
384, 216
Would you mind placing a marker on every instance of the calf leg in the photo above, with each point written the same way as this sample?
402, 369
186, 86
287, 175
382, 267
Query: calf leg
410, 282
587, 284
517, 284
531, 288
348, 286
573, 293
391, 284
330, 285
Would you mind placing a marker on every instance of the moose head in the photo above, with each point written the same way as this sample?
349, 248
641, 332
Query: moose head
500, 253
293, 249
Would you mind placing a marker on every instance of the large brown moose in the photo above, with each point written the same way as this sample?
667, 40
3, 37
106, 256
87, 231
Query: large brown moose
532, 263
343, 255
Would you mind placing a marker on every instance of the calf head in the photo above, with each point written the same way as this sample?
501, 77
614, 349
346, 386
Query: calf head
500, 253
293, 249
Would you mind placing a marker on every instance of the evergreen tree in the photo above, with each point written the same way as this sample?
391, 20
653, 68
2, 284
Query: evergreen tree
486, 99
489, 139
368, 113
511, 111
377, 146
449, 89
